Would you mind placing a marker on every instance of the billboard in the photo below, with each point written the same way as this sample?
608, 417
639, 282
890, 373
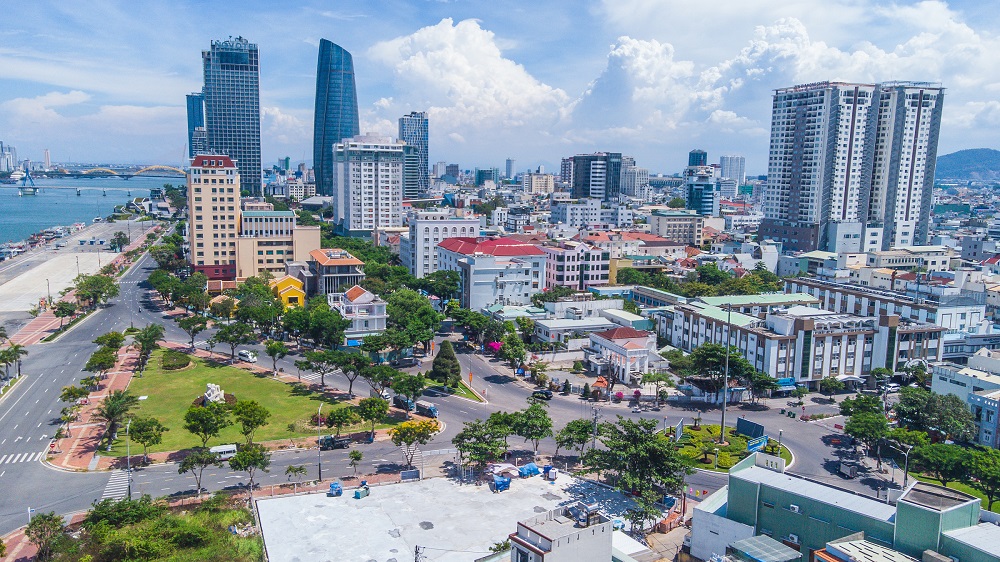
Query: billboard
748, 428
757, 444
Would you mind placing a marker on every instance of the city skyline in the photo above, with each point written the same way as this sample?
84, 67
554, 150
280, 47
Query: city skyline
529, 82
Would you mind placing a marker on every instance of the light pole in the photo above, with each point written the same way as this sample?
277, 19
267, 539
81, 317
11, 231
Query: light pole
906, 465
716, 457
48, 290
779, 443
725, 375
77, 266
128, 458
319, 445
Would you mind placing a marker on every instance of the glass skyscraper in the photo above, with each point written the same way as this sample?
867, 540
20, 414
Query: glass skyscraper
232, 105
413, 131
196, 118
336, 116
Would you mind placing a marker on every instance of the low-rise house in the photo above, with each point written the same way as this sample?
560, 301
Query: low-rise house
493, 270
364, 309
290, 290
334, 270
567, 330
626, 354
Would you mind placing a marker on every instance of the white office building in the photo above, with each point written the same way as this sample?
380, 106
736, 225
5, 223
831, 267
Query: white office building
734, 168
851, 166
494, 270
367, 184
418, 249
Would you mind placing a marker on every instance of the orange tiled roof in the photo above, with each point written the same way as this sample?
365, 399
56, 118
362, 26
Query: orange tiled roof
334, 256
354, 292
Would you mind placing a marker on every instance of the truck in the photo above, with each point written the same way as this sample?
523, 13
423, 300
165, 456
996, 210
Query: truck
328, 442
384, 395
402, 402
427, 409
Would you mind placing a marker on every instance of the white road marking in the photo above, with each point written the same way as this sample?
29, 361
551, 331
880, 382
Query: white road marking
39, 425
2, 459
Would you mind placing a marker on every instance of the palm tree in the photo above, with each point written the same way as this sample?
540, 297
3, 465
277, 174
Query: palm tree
6, 359
3, 333
17, 351
113, 410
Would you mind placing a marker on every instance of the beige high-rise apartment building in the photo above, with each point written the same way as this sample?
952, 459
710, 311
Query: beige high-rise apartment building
213, 215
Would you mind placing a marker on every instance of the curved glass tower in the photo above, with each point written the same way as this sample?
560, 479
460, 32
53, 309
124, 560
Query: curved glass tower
336, 116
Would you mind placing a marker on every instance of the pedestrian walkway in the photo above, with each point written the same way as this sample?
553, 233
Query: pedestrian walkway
21, 457
117, 487
41, 326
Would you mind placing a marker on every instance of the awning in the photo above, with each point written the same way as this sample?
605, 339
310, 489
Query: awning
786, 388
850, 378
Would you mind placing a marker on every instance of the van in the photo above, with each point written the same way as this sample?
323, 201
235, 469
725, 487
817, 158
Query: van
247, 355
225, 452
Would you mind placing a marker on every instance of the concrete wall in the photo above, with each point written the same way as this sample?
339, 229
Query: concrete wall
712, 532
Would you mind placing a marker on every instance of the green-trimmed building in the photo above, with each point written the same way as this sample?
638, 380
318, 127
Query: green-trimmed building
762, 499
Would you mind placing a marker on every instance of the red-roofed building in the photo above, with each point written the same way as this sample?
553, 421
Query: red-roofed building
333, 269
623, 354
494, 270
365, 310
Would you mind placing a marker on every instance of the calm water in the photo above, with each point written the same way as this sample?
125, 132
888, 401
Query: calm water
57, 203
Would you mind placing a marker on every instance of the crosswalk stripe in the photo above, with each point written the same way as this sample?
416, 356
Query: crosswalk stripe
14, 459
2, 459
117, 486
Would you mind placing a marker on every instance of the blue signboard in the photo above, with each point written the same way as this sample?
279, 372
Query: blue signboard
748, 428
756, 444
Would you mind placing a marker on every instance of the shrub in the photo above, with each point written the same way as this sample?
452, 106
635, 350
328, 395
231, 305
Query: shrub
173, 360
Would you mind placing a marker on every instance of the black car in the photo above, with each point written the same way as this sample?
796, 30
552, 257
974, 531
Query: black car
406, 362
330, 442
543, 394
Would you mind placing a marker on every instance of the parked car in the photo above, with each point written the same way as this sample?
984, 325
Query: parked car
247, 355
328, 442
543, 394
225, 452
892, 387
406, 362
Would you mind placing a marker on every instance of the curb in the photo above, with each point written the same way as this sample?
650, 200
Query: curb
10, 387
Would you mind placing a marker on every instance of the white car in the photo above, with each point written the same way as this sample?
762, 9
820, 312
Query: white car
247, 355
892, 387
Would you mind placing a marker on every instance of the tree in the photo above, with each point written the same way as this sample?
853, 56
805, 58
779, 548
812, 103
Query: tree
410, 386
146, 340
379, 377
411, 313
193, 325
526, 326
635, 458
102, 361
534, 424
945, 414
538, 372
355, 457
147, 432
73, 393
945, 462
251, 459
880, 374
373, 410
327, 327
118, 241
442, 283
196, 463
831, 386
481, 442
251, 416
710, 274
297, 472
586, 390
904, 436
446, 369
709, 361
43, 531
352, 365
14, 353
861, 403
512, 350
677, 203
95, 289
235, 335
63, 310
223, 308
799, 393
409, 434
113, 410
760, 384
984, 468
574, 435
275, 350
320, 362
341, 417
207, 421
567, 387
868, 428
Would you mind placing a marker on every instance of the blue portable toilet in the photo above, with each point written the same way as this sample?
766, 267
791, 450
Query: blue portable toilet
500, 483
335, 490
530, 469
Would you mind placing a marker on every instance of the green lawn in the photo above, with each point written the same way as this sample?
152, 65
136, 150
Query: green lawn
728, 456
961, 488
170, 394
464, 391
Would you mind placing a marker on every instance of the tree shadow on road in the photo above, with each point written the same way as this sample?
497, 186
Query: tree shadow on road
500, 379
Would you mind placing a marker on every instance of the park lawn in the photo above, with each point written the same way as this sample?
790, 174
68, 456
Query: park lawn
171, 393
728, 456
464, 391
965, 488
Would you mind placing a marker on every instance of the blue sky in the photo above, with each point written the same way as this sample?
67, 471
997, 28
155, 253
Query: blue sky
105, 81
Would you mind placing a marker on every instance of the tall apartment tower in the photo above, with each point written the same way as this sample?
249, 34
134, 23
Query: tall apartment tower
367, 184
413, 131
697, 158
566, 171
336, 115
196, 121
47, 159
232, 105
851, 166
213, 186
734, 168
509, 168
597, 175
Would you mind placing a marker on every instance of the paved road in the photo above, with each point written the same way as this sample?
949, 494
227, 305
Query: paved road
29, 416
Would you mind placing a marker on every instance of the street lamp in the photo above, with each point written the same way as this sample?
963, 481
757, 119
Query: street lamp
906, 465
725, 375
319, 445
128, 458
48, 289
716, 457
779, 443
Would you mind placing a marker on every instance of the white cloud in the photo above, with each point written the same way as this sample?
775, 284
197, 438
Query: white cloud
457, 72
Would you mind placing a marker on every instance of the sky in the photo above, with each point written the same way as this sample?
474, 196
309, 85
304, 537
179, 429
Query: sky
105, 81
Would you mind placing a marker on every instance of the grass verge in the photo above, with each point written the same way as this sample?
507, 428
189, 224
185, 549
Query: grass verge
170, 394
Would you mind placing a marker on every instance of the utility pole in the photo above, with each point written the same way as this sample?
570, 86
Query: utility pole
597, 414
128, 458
319, 444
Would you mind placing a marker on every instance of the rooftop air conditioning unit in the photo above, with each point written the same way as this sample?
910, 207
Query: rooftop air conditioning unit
794, 509
792, 538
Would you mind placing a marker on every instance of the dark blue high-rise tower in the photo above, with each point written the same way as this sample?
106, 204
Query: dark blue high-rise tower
196, 120
336, 116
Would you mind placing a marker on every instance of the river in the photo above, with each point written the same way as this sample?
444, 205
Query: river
57, 204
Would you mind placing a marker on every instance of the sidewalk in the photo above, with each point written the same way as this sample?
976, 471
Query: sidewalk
43, 325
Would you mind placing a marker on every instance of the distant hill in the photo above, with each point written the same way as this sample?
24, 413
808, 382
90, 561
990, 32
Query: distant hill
982, 164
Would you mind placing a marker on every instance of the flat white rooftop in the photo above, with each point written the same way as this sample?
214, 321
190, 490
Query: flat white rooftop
454, 522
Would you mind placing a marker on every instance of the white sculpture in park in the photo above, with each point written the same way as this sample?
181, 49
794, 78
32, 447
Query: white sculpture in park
214, 394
